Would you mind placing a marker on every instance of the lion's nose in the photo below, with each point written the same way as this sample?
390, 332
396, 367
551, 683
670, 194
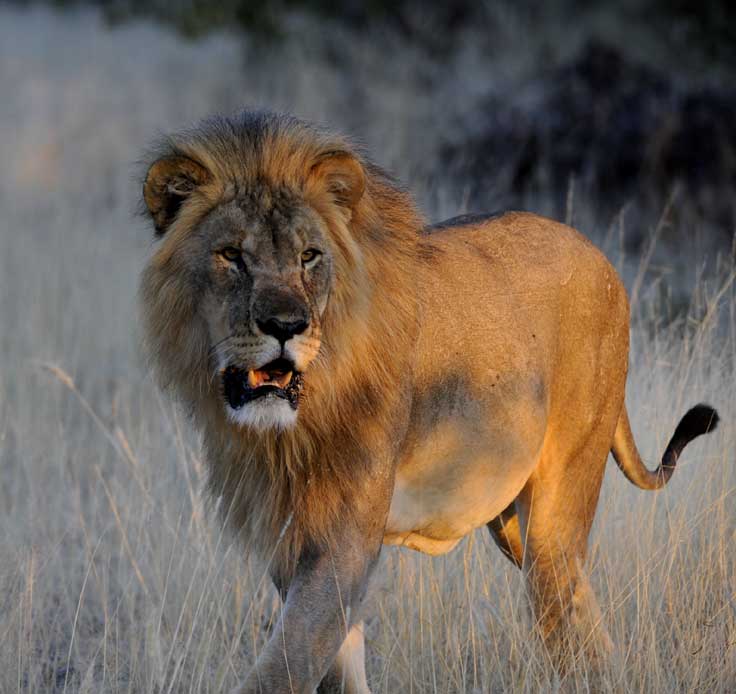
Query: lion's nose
282, 330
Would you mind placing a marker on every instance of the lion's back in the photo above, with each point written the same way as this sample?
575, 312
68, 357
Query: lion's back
516, 236
518, 253
521, 292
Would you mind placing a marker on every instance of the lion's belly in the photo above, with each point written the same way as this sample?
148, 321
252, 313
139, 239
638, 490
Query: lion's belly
447, 485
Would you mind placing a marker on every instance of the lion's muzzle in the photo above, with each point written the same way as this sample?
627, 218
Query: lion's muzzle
261, 365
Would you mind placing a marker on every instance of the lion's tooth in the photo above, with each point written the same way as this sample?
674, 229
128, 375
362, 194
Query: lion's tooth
252, 379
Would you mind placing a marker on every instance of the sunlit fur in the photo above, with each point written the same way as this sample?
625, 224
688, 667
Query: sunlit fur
287, 487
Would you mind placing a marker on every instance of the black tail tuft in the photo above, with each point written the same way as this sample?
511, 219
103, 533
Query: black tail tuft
701, 419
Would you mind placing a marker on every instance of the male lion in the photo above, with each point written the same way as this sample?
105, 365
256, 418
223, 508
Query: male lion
360, 378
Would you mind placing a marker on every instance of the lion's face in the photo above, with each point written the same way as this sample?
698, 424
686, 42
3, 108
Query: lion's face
235, 296
269, 274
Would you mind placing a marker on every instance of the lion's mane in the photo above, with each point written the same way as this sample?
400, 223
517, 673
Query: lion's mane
286, 490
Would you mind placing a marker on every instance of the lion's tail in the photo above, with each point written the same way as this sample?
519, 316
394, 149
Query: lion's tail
701, 419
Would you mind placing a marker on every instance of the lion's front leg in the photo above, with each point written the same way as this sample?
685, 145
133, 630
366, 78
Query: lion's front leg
322, 606
347, 673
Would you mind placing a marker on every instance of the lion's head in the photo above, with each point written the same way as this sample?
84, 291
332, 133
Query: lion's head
253, 233
269, 233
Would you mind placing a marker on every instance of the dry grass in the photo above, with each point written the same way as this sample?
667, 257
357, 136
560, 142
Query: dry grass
113, 578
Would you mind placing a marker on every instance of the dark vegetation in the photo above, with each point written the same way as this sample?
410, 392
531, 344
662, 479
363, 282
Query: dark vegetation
622, 129
706, 28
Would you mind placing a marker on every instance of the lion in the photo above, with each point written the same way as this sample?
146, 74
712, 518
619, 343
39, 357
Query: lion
361, 378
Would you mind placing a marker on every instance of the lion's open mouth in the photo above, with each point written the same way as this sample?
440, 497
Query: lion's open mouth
277, 378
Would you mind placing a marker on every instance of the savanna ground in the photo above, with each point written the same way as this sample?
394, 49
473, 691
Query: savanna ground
114, 576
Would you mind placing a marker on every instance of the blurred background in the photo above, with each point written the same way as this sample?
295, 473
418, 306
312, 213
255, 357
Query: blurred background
618, 117
595, 112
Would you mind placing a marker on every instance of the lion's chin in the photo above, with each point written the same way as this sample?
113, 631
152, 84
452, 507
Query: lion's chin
268, 413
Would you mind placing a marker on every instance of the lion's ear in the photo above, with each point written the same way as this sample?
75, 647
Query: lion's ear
168, 183
342, 175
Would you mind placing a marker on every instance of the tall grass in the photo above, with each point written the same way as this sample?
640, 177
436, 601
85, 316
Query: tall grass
114, 577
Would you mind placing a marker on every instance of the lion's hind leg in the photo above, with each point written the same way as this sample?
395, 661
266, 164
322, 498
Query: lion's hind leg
504, 529
555, 520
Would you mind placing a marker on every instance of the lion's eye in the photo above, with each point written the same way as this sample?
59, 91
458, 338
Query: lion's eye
310, 255
231, 253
